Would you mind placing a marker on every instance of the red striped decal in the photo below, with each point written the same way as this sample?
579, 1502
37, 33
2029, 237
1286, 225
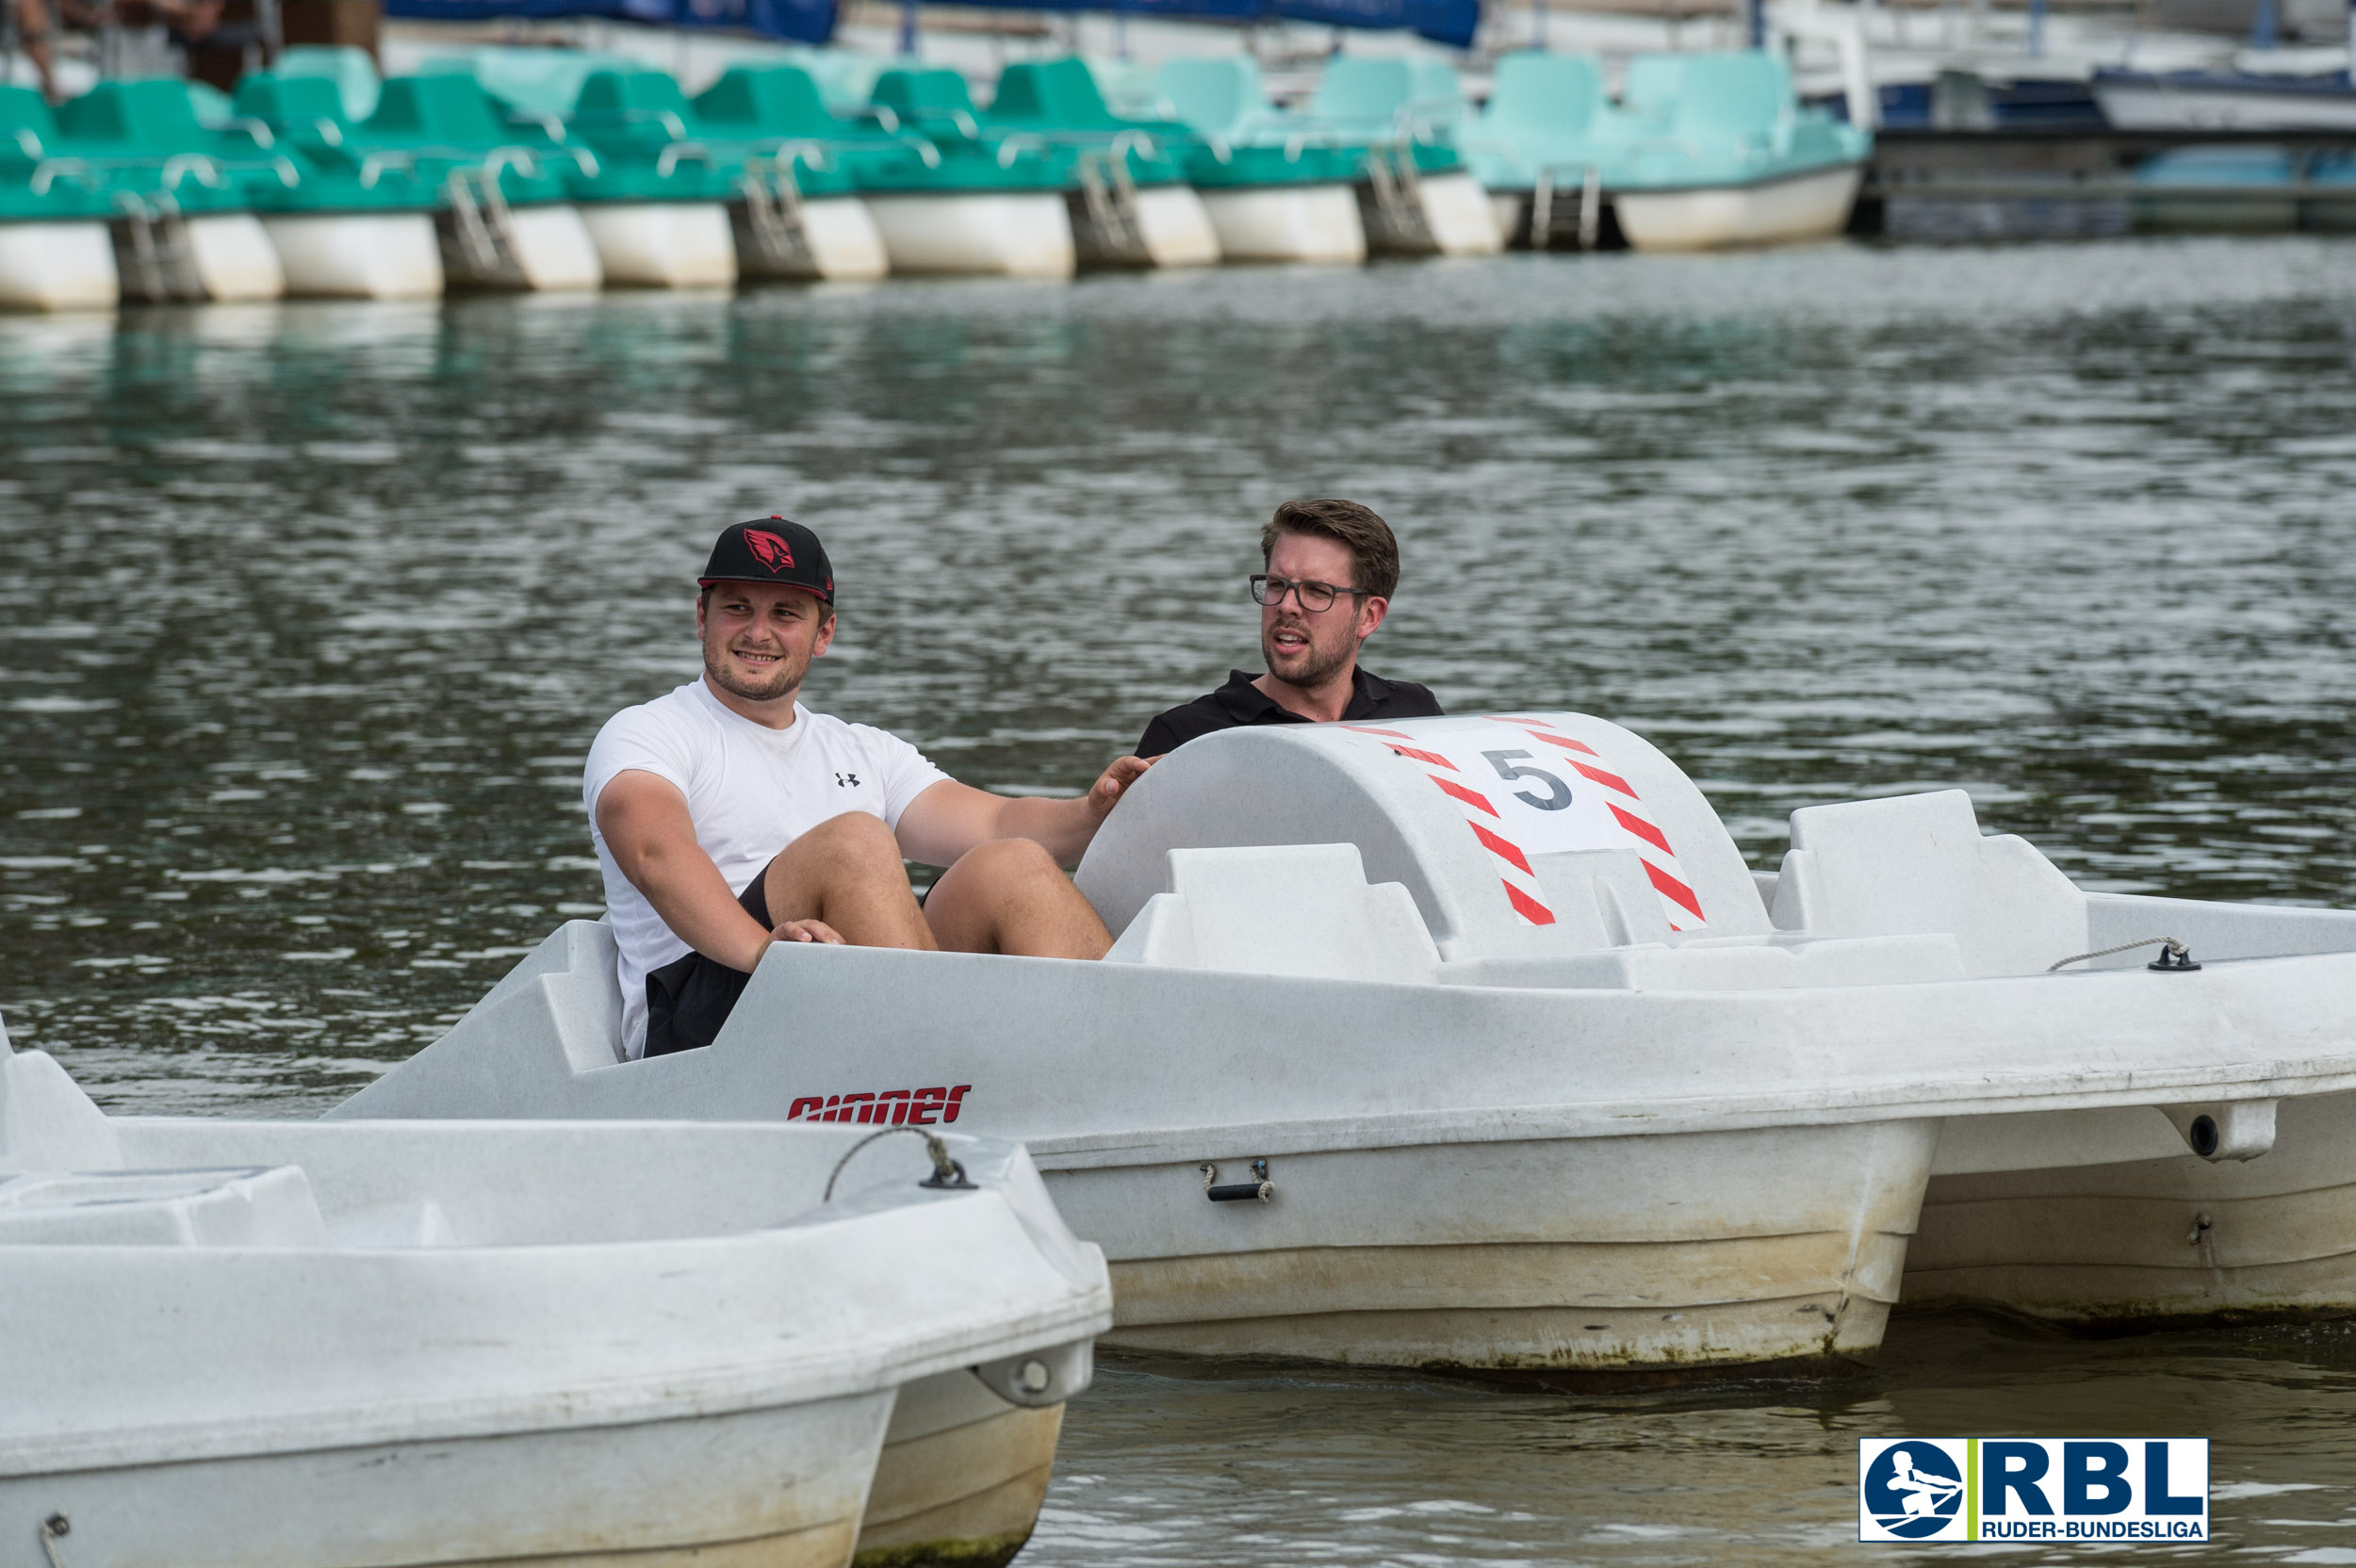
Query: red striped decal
1467, 797
1643, 830
1566, 743
1527, 907
1434, 757
1505, 849
1672, 888
1369, 729
1608, 780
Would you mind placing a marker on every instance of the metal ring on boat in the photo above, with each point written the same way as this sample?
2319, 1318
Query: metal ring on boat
947, 1173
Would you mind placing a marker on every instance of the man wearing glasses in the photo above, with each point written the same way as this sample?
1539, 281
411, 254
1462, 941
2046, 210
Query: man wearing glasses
1331, 568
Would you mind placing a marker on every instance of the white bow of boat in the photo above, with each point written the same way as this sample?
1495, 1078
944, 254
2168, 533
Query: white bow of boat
377, 1342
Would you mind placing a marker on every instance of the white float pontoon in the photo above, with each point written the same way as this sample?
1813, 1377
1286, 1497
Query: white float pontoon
57, 266
240, 1342
1509, 1062
1018, 234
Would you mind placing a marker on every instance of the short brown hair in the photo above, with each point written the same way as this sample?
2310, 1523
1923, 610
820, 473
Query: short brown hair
1373, 551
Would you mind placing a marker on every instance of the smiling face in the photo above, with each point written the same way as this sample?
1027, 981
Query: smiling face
1311, 647
759, 638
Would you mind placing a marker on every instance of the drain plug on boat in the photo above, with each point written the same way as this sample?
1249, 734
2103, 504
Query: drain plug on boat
1259, 1187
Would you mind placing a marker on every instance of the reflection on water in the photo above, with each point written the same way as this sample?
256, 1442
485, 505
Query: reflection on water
307, 613
1167, 1463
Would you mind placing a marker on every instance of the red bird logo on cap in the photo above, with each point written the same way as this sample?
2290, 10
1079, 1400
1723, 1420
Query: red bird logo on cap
769, 549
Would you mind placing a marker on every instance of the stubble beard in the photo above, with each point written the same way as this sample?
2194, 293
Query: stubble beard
786, 681
1319, 668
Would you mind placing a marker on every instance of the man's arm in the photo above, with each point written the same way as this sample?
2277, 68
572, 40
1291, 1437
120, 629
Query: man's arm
646, 823
950, 818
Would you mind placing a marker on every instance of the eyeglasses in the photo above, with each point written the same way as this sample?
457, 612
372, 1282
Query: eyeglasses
1313, 596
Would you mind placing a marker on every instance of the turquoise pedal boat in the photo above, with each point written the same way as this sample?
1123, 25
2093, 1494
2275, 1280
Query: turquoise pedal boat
1129, 195
179, 198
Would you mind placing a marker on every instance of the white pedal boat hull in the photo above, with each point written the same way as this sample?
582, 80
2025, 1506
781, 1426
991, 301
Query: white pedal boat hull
663, 244
844, 244
1019, 234
1177, 227
1562, 1099
1462, 221
1293, 222
370, 1344
58, 267
555, 249
234, 257
1814, 206
1452, 216
358, 255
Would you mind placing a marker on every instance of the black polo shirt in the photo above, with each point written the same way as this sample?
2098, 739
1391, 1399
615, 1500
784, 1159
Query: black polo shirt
1239, 702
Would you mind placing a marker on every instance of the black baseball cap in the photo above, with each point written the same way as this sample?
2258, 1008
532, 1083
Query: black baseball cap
771, 550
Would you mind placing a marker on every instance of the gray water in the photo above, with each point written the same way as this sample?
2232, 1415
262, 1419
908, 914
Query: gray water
307, 613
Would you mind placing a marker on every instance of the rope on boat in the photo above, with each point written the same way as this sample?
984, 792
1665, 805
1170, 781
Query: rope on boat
946, 1171
2177, 956
52, 1529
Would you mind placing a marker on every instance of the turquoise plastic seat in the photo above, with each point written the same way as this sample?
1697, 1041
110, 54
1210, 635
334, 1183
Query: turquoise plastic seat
1724, 118
776, 101
1546, 112
1220, 98
542, 83
352, 71
933, 101
1051, 95
1377, 100
631, 110
310, 109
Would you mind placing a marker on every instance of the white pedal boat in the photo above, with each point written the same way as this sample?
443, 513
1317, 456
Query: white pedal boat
1535, 1076
58, 267
661, 244
1780, 209
234, 1343
1015, 234
1288, 223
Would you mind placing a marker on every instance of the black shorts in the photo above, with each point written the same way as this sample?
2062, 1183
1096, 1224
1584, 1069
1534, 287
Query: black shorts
688, 998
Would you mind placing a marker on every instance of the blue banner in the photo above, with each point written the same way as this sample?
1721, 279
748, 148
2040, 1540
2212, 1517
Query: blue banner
1450, 22
801, 21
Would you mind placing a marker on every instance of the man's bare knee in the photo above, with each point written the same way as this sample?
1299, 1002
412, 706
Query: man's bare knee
853, 838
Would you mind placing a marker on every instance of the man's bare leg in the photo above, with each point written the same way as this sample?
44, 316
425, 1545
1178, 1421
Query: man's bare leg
847, 872
1010, 896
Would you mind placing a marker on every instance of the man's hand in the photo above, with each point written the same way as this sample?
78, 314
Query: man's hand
950, 818
806, 931
1106, 792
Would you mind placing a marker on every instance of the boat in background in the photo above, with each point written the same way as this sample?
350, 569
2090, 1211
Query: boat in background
56, 254
1274, 189
1128, 198
1704, 150
2226, 100
1414, 194
180, 196
380, 1343
991, 204
1725, 155
406, 205
1472, 1042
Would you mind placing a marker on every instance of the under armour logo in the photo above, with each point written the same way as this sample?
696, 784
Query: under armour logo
848, 780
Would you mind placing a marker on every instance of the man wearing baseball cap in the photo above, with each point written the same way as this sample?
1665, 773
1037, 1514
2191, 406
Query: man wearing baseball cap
727, 816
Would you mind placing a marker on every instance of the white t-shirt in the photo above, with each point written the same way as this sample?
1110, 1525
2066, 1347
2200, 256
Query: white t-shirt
751, 790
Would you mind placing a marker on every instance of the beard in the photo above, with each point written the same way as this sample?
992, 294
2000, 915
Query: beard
1318, 665
786, 676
